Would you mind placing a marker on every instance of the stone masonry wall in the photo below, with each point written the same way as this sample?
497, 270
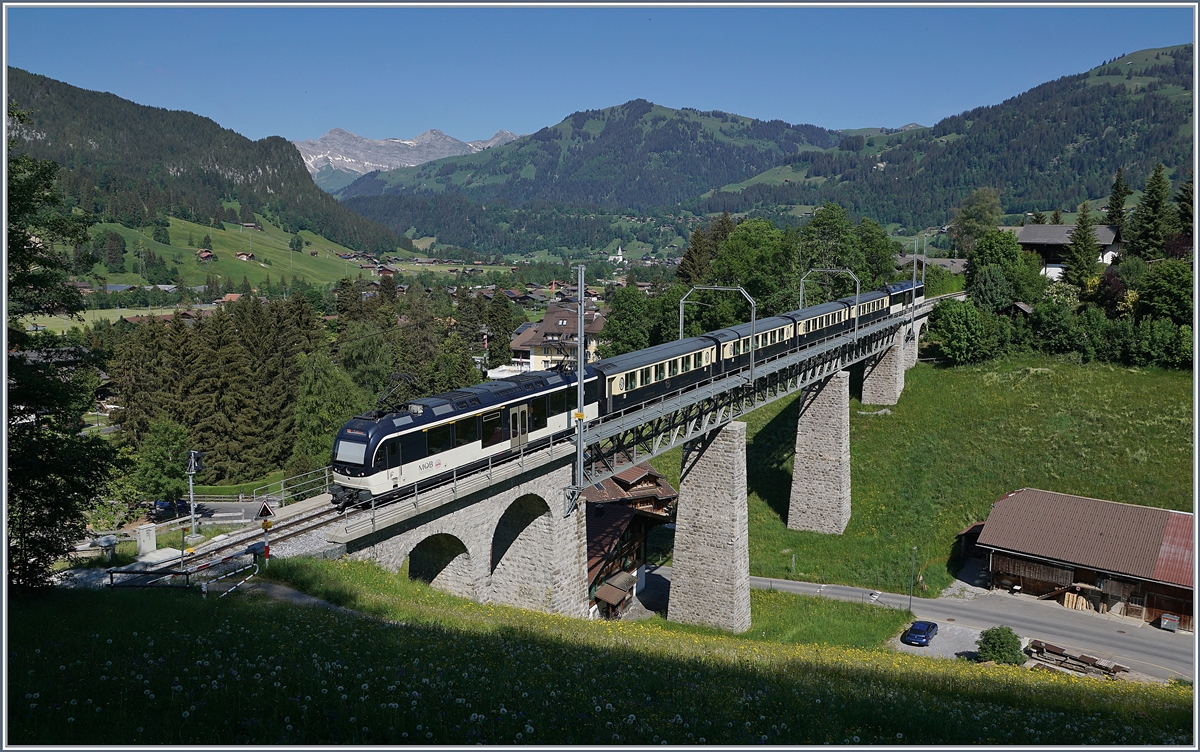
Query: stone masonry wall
820, 499
883, 376
710, 582
544, 566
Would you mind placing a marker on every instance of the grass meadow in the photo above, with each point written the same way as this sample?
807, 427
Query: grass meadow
959, 439
423, 667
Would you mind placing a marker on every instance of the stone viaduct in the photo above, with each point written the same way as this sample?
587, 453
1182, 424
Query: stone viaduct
511, 544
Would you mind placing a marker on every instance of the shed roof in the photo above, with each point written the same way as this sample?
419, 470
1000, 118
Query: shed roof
1144, 542
610, 595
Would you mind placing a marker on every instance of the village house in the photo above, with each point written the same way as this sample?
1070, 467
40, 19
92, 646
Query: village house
1051, 241
620, 516
553, 341
1091, 554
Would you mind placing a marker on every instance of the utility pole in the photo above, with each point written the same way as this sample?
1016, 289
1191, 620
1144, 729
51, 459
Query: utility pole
912, 574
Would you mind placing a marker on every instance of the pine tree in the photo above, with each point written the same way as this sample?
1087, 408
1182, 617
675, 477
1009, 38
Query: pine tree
326, 398
223, 428
1056, 218
468, 318
1039, 218
499, 319
138, 375
206, 242
1152, 221
1084, 249
1114, 210
1180, 244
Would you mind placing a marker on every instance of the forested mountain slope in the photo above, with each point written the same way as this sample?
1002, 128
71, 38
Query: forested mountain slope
1050, 147
130, 163
635, 155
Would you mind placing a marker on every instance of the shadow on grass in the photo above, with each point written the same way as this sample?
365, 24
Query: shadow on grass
768, 456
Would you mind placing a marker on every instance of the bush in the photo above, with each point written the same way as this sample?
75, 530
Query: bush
960, 328
989, 290
1000, 644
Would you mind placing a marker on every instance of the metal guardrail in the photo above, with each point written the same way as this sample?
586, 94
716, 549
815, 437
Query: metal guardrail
296, 488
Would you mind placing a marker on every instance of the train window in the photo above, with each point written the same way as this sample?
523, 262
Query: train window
538, 413
493, 431
644, 377
631, 380
590, 390
660, 371
558, 401
674, 368
466, 431
685, 363
772, 336
736, 348
746, 345
350, 452
698, 361
440, 439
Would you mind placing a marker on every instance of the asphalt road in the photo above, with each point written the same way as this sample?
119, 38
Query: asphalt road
1143, 648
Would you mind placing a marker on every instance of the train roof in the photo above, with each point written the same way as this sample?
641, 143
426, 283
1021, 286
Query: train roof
467, 399
902, 286
817, 310
743, 330
651, 355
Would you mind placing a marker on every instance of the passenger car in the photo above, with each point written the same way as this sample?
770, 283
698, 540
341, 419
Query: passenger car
920, 633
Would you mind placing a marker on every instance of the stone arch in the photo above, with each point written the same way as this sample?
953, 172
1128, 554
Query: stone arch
521, 552
443, 561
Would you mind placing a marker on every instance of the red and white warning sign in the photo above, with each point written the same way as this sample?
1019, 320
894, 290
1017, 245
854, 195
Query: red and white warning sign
266, 511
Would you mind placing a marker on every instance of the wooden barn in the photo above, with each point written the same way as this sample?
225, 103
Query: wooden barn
1091, 554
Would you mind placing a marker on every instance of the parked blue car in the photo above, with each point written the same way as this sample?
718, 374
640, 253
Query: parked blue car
920, 633
170, 509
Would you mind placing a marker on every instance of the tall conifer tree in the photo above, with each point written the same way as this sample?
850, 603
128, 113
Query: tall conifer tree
1114, 210
1083, 250
1153, 221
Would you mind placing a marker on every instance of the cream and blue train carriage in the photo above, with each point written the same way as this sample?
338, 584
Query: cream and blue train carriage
631, 379
433, 438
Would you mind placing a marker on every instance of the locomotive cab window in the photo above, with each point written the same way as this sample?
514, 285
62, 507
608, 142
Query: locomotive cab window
350, 452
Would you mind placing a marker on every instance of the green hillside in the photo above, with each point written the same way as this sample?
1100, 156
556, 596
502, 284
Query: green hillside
134, 165
1055, 145
635, 155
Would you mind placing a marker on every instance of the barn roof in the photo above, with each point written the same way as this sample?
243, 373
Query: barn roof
1144, 542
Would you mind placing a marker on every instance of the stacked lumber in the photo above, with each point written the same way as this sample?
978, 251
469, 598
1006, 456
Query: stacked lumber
1072, 660
1077, 601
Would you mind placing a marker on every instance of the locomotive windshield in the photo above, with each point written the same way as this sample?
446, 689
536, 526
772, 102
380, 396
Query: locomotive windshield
350, 452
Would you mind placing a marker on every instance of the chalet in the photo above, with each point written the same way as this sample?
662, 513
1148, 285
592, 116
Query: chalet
229, 297
554, 339
1051, 241
620, 516
252, 226
204, 255
244, 256
312, 253
1094, 555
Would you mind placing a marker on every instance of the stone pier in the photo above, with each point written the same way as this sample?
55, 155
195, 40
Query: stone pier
710, 582
820, 499
883, 377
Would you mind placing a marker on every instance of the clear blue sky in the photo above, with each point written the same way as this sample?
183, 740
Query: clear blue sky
395, 72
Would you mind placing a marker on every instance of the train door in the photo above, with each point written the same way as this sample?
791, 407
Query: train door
393, 462
518, 424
